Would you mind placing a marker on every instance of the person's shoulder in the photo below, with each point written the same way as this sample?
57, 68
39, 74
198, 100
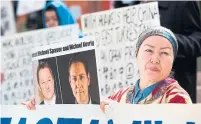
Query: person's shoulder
173, 86
175, 93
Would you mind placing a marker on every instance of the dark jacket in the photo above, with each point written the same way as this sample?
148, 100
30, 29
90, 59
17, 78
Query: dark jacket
58, 101
93, 101
184, 19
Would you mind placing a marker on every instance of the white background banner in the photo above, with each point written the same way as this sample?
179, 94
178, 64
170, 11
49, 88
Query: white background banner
155, 113
115, 114
72, 114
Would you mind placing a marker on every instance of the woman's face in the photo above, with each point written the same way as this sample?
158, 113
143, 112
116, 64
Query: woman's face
155, 59
51, 19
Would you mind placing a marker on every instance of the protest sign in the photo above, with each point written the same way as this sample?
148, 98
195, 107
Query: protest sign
66, 73
16, 59
53, 114
154, 113
116, 32
91, 114
7, 19
26, 7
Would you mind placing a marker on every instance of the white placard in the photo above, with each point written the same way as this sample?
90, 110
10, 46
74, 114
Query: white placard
26, 7
154, 113
115, 114
16, 59
7, 18
57, 114
116, 32
57, 59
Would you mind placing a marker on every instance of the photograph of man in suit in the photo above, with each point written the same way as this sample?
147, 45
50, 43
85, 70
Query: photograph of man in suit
45, 80
79, 79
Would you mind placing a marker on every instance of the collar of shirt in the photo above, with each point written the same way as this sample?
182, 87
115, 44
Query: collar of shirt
90, 102
51, 102
142, 94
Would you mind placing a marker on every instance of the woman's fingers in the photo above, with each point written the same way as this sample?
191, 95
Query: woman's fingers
23, 103
31, 104
102, 105
33, 101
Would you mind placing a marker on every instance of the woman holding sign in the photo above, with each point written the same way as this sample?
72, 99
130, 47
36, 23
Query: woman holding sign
156, 50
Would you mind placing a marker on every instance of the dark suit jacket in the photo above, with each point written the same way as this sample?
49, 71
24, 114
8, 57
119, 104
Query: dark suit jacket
58, 101
42, 103
95, 102
184, 19
92, 101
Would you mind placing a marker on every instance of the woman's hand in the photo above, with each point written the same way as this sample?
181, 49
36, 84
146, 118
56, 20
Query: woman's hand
102, 105
31, 104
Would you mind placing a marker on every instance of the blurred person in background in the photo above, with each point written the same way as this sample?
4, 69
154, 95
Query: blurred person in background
56, 13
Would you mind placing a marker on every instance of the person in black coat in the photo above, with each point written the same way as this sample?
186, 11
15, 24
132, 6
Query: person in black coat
184, 19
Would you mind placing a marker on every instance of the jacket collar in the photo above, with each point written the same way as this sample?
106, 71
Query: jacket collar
163, 4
